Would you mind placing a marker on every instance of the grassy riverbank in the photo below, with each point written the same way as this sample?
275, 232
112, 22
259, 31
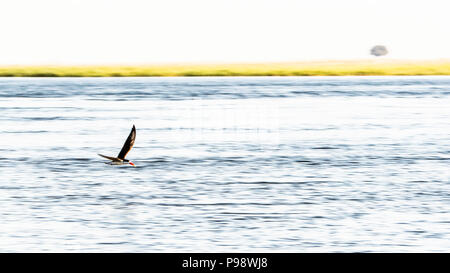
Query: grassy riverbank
313, 68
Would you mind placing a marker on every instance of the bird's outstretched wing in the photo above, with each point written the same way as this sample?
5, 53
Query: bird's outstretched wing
109, 157
128, 144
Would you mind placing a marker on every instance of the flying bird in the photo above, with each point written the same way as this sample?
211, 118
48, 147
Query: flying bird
120, 159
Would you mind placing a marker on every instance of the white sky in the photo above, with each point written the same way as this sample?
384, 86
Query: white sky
145, 31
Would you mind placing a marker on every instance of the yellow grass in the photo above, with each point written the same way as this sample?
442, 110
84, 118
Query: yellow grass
312, 68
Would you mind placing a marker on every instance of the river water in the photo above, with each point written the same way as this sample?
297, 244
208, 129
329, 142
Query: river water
226, 164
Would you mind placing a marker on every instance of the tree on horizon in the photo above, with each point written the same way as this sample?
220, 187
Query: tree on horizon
379, 50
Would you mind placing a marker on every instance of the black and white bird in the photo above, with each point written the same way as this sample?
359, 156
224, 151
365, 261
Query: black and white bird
120, 159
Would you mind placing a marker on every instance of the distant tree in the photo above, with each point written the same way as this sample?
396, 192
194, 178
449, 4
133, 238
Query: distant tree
379, 50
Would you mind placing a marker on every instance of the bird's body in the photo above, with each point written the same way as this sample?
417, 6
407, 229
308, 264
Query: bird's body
120, 159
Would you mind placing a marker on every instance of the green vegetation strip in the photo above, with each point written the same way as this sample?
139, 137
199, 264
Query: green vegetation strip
318, 68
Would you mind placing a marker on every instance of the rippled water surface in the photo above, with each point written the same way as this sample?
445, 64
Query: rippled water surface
251, 164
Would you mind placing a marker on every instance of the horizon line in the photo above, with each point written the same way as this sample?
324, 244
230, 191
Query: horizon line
176, 63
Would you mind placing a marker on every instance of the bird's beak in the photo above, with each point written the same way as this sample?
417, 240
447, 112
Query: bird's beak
132, 164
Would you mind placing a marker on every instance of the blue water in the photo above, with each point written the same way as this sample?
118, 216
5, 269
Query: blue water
248, 164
